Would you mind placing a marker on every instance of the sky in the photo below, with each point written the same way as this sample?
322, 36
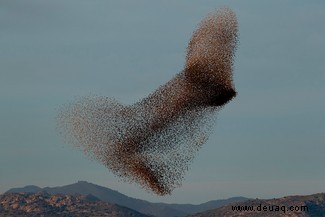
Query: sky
268, 142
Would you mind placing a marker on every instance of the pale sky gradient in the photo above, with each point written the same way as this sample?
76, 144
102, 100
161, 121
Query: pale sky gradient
268, 142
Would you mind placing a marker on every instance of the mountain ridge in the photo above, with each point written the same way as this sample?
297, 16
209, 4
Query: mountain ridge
299, 205
97, 194
45, 204
112, 196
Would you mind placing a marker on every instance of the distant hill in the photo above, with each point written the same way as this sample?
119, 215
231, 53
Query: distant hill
44, 204
302, 206
190, 208
26, 189
142, 206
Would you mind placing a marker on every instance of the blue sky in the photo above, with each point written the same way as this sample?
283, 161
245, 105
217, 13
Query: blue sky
268, 142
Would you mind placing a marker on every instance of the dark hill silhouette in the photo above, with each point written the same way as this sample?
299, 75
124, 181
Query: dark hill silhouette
26, 189
303, 206
142, 206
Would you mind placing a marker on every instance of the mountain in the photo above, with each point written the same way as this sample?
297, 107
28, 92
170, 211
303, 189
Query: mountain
303, 206
44, 204
26, 189
142, 206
